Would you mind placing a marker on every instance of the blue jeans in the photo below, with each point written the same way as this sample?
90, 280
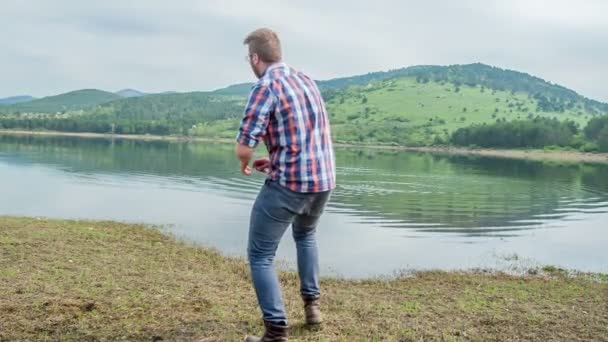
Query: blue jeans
274, 210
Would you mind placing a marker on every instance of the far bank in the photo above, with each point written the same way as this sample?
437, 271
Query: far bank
570, 156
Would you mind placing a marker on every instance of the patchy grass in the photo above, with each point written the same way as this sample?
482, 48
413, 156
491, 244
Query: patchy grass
80, 280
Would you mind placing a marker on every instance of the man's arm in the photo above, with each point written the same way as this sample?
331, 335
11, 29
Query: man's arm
253, 126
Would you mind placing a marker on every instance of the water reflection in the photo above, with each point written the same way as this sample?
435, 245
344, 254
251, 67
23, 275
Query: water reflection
463, 195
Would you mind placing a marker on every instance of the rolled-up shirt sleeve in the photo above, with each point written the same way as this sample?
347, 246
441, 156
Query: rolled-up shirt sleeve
259, 106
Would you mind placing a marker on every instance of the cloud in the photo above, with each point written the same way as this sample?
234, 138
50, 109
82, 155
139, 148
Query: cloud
52, 47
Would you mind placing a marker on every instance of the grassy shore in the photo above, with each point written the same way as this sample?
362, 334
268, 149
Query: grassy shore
530, 154
80, 280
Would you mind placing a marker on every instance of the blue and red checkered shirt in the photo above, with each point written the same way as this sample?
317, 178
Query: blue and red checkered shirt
285, 110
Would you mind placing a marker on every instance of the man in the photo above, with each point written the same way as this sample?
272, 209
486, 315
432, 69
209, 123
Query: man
285, 111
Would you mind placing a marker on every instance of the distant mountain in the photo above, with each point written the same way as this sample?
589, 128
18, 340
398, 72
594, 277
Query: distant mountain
73, 100
16, 99
130, 93
240, 89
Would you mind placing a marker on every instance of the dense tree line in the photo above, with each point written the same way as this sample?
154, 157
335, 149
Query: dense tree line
538, 132
93, 125
186, 107
158, 114
597, 132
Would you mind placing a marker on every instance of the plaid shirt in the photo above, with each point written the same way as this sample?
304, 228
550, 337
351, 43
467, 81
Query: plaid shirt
285, 110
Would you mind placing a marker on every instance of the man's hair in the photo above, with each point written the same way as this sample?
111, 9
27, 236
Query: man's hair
265, 43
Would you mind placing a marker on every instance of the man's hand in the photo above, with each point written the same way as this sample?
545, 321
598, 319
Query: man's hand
262, 165
245, 169
244, 154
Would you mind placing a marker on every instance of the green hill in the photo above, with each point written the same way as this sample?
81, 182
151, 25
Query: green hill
415, 112
102, 112
73, 100
241, 89
130, 93
16, 99
192, 106
178, 113
421, 105
169, 113
550, 96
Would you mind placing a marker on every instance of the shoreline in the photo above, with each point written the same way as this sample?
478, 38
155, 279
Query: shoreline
82, 280
532, 154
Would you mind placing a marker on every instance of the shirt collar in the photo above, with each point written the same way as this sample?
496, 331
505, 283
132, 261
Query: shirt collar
274, 66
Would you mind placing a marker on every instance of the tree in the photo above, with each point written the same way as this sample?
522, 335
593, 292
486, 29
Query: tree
595, 126
602, 139
530, 133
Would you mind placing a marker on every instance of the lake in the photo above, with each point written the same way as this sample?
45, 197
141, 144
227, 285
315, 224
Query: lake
392, 211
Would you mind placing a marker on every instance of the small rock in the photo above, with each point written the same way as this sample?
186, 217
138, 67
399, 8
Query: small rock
88, 306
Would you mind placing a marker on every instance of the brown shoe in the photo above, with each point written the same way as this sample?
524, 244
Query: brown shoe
312, 311
273, 333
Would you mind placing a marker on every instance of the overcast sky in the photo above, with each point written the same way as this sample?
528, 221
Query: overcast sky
50, 47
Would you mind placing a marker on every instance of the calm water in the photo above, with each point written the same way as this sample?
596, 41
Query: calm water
391, 211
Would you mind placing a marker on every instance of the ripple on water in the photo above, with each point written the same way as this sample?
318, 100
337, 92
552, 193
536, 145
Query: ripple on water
474, 204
